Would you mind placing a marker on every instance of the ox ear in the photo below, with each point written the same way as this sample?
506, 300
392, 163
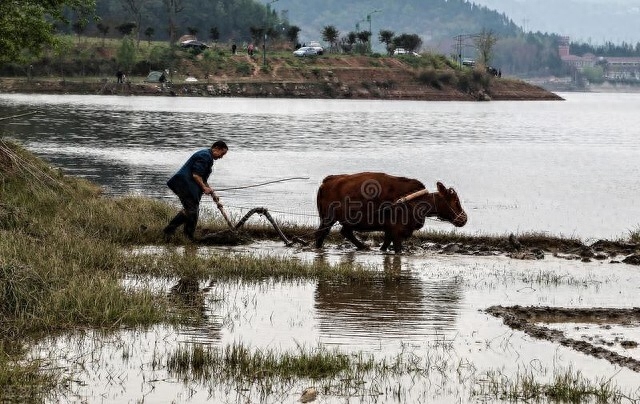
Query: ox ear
441, 188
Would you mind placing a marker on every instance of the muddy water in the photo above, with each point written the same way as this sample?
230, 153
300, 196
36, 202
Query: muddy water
430, 307
567, 168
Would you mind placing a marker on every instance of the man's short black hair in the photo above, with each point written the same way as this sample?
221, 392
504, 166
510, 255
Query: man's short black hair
220, 145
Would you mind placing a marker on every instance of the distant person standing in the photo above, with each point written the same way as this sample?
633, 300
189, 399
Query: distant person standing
120, 76
233, 49
250, 49
189, 184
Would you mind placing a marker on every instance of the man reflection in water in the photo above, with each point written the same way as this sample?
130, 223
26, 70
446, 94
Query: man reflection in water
189, 183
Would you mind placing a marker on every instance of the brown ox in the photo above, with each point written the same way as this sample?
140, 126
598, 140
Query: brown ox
380, 202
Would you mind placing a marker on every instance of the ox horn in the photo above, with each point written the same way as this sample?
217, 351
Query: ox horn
414, 195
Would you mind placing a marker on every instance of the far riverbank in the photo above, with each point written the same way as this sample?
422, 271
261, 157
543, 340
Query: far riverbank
354, 77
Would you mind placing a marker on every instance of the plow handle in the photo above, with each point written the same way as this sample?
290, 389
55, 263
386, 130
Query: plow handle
221, 209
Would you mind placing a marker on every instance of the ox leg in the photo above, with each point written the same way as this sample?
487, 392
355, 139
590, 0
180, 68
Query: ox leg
387, 241
347, 232
323, 232
397, 243
398, 238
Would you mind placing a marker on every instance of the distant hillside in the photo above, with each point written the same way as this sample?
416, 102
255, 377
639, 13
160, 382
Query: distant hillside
430, 19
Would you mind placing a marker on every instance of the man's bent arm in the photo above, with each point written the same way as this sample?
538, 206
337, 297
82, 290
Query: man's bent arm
203, 185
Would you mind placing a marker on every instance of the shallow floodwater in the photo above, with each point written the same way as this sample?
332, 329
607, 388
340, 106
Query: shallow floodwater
567, 168
429, 307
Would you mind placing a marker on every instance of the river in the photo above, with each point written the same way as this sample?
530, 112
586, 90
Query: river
566, 168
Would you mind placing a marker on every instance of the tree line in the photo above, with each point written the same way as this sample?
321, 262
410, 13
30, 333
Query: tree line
609, 49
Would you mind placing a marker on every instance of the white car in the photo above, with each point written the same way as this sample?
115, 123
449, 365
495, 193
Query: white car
403, 51
305, 51
316, 45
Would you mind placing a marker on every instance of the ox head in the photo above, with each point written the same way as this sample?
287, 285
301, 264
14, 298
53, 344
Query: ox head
449, 207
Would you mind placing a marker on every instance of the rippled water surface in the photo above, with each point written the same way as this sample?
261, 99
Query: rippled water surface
568, 168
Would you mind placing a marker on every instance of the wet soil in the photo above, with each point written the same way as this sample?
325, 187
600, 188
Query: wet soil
529, 319
523, 247
536, 248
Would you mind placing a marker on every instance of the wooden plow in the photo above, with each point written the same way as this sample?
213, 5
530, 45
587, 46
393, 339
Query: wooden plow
232, 235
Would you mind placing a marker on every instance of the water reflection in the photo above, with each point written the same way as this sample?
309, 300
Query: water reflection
196, 301
396, 305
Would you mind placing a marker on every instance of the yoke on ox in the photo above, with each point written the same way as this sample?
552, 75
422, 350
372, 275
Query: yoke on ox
380, 202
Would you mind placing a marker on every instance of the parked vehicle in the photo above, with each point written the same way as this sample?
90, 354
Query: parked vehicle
194, 44
305, 51
468, 62
403, 51
316, 45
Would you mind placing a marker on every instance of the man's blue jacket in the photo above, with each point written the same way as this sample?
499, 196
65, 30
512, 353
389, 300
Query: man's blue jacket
183, 184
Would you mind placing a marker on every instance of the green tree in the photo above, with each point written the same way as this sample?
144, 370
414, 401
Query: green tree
126, 28
160, 57
292, 34
364, 37
411, 42
126, 56
485, 42
79, 27
331, 35
173, 8
27, 24
348, 41
386, 37
594, 74
256, 34
136, 8
149, 34
63, 47
214, 34
104, 30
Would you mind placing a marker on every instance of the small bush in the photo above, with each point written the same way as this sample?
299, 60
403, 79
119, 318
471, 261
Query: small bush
473, 80
448, 77
244, 69
430, 78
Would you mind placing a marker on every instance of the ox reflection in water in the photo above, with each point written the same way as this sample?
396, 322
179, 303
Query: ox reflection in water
380, 202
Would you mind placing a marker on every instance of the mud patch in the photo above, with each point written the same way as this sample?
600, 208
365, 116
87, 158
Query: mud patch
528, 319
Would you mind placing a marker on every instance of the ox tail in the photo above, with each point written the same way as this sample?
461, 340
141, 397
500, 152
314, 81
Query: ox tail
322, 191
320, 197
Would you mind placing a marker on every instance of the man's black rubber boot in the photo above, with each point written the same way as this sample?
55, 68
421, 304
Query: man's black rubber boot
177, 221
